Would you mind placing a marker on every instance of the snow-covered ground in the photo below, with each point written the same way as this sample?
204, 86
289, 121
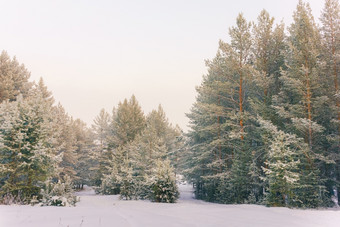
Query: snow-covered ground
96, 210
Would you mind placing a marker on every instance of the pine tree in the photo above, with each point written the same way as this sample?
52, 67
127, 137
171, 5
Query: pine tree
46, 94
163, 183
134, 152
13, 78
330, 30
65, 142
302, 76
58, 194
157, 141
239, 53
237, 61
282, 166
268, 60
206, 149
102, 154
120, 179
101, 128
282, 79
298, 101
128, 122
268, 57
126, 181
84, 146
219, 139
27, 155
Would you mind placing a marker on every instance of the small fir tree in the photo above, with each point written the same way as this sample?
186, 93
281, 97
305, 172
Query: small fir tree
163, 183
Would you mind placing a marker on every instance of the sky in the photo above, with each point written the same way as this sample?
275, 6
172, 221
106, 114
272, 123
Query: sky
94, 54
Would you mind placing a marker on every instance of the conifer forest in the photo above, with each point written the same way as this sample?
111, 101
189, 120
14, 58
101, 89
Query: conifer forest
264, 129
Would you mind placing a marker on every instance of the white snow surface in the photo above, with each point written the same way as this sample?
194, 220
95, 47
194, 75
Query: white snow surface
107, 211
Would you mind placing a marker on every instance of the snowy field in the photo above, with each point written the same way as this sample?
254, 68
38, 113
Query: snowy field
95, 210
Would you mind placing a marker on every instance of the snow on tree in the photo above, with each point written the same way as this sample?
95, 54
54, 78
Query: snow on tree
13, 78
299, 102
330, 32
27, 155
83, 147
101, 155
128, 122
163, 183
135, 143
126, 181
65, 142
58, 194
282, 166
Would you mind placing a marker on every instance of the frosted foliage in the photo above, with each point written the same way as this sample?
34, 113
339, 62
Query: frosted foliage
120, 181
282, 160
110, 185
126, 182
59, 194
27, 152
281, 169
163, 183
13, 78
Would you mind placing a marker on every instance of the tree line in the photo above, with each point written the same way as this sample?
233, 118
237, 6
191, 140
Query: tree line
45, 154
265, 124
264, 128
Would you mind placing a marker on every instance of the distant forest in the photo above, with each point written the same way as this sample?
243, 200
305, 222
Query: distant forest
265, 127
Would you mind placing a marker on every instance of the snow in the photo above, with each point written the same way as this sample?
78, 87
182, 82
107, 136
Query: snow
98, 210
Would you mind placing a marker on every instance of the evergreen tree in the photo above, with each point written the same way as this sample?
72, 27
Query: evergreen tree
126, 181
59, 194
84, 146
13, 78
101, 155
133, 159
301, 94
282, 166
27, 155
277, 78
206, 149
128, 122
219, 139
163, 183
268, 57
46, 94
301, 80
268, 60
65, 142
330, 30
159, 140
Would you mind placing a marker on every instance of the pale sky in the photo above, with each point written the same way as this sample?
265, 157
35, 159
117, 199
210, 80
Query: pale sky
93, 54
